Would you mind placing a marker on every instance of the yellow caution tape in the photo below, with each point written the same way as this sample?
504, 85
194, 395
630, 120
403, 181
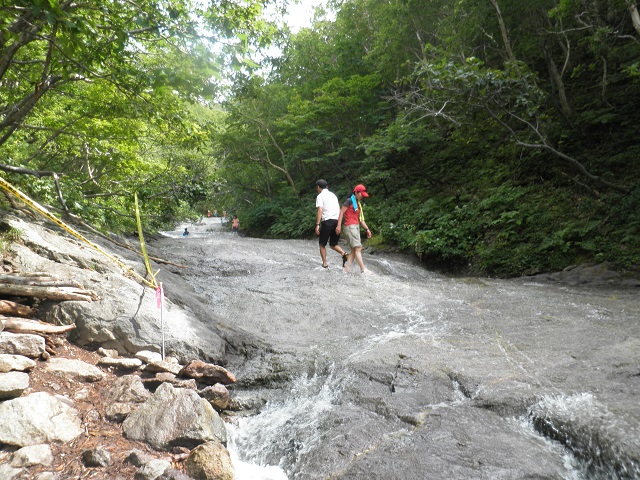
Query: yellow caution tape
6, 186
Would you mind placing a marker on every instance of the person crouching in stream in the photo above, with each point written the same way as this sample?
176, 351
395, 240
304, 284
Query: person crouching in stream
351, 212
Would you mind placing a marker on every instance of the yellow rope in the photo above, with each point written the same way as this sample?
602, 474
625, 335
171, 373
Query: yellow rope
143, 246
6, 186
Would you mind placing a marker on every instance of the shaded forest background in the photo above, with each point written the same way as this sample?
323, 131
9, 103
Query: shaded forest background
496, 137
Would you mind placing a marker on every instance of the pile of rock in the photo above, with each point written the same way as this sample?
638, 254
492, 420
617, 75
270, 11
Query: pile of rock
593, 275
171, 407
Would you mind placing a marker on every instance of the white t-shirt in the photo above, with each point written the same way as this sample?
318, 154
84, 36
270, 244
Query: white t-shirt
329, 203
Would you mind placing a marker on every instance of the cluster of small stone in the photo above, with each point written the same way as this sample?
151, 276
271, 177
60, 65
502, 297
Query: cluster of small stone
158, 401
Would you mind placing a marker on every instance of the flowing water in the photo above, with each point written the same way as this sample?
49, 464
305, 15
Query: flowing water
409, 374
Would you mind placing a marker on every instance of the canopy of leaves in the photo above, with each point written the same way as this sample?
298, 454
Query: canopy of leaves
495, 136
110, 96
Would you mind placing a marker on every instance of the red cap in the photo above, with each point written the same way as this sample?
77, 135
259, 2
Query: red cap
362, 189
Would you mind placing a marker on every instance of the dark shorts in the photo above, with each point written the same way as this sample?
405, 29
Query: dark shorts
328, 233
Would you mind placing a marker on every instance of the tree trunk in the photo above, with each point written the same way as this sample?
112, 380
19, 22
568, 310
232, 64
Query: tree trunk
283, 170
51, 293
503, 32
21, 325
556, 78
635, 16
14, 308
36, 279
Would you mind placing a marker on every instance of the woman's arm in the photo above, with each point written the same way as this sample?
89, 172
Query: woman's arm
364, 225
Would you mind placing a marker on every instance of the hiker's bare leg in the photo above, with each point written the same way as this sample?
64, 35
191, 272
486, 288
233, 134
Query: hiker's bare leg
358, 255
338, 249
347, 267
323, 254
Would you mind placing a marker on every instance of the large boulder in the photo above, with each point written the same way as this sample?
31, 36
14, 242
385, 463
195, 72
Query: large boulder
175, 417
36, 419
210, 461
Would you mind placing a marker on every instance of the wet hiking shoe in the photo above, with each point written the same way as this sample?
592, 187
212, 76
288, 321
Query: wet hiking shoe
345, 257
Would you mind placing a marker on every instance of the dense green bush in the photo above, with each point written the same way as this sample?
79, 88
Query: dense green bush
284, 217
509, 230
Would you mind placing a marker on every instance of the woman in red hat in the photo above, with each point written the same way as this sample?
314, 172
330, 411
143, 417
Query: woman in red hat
353, 216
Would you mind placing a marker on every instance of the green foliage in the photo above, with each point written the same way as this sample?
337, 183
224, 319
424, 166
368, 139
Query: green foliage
476, 160
287, 217
113, 97
508, 229
9, 236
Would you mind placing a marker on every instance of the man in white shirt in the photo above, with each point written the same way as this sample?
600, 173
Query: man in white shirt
327, 221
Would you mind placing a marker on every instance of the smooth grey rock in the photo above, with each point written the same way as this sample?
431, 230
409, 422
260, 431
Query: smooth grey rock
75, 370
25, 344
12, 384
576, 420
126, 318
18, 363
38, 418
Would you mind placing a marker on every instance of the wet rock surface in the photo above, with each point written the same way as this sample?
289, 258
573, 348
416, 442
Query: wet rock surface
400, 374
409, 371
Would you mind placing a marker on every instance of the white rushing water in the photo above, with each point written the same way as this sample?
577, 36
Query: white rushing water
256, 439
246, 470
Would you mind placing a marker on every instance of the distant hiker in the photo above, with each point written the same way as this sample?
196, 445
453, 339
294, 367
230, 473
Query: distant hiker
186, 232
215, 213
327, 221
208, 213
235, 224
353, 216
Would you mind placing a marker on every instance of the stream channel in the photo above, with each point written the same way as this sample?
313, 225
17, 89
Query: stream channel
409, 374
